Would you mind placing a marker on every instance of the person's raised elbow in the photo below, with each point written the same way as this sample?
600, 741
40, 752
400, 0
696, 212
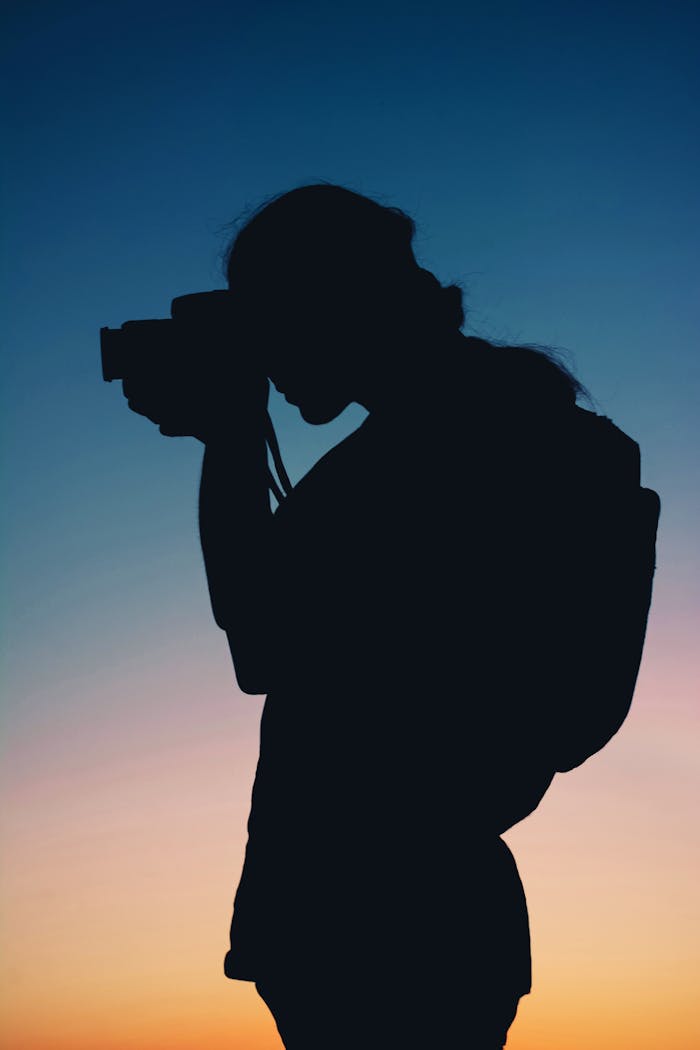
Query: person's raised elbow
248, 667
251, 684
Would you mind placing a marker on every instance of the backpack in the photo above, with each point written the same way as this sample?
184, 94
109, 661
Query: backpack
612, 526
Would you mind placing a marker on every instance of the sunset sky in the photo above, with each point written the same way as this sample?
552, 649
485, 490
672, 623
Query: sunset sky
548, 153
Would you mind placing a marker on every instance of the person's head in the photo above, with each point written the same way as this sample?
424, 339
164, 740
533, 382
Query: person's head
333, 296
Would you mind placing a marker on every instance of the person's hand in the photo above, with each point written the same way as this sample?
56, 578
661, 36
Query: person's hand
210, 408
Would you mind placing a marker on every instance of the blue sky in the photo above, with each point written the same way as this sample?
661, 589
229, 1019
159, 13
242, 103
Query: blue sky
547, 152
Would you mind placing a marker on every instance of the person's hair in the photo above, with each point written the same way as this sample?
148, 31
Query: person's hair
330, 231
533, 375
348, 244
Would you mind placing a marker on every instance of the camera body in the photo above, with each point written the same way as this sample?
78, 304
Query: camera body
201, 339
199, 334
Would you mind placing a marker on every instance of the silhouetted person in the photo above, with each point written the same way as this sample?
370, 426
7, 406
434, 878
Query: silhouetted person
407, 610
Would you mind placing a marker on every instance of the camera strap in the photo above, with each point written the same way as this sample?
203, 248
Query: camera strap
282, 488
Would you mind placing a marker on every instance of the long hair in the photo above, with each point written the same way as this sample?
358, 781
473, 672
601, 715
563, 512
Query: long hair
357, 248
362, 248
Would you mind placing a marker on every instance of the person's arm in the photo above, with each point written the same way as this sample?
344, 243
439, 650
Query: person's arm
234, 522
230, 418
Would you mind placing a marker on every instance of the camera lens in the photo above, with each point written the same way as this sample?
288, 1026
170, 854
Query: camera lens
110, 343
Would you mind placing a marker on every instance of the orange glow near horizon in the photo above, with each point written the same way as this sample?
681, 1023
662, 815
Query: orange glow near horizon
122, 868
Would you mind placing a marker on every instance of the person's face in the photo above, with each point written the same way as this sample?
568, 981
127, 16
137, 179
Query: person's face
308, 351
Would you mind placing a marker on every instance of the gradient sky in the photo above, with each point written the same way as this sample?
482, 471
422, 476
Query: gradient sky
549, 154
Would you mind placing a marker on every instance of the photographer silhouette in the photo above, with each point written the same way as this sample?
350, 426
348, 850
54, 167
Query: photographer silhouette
409, 611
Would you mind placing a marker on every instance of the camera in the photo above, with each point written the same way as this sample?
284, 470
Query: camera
201, 329
199, 337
